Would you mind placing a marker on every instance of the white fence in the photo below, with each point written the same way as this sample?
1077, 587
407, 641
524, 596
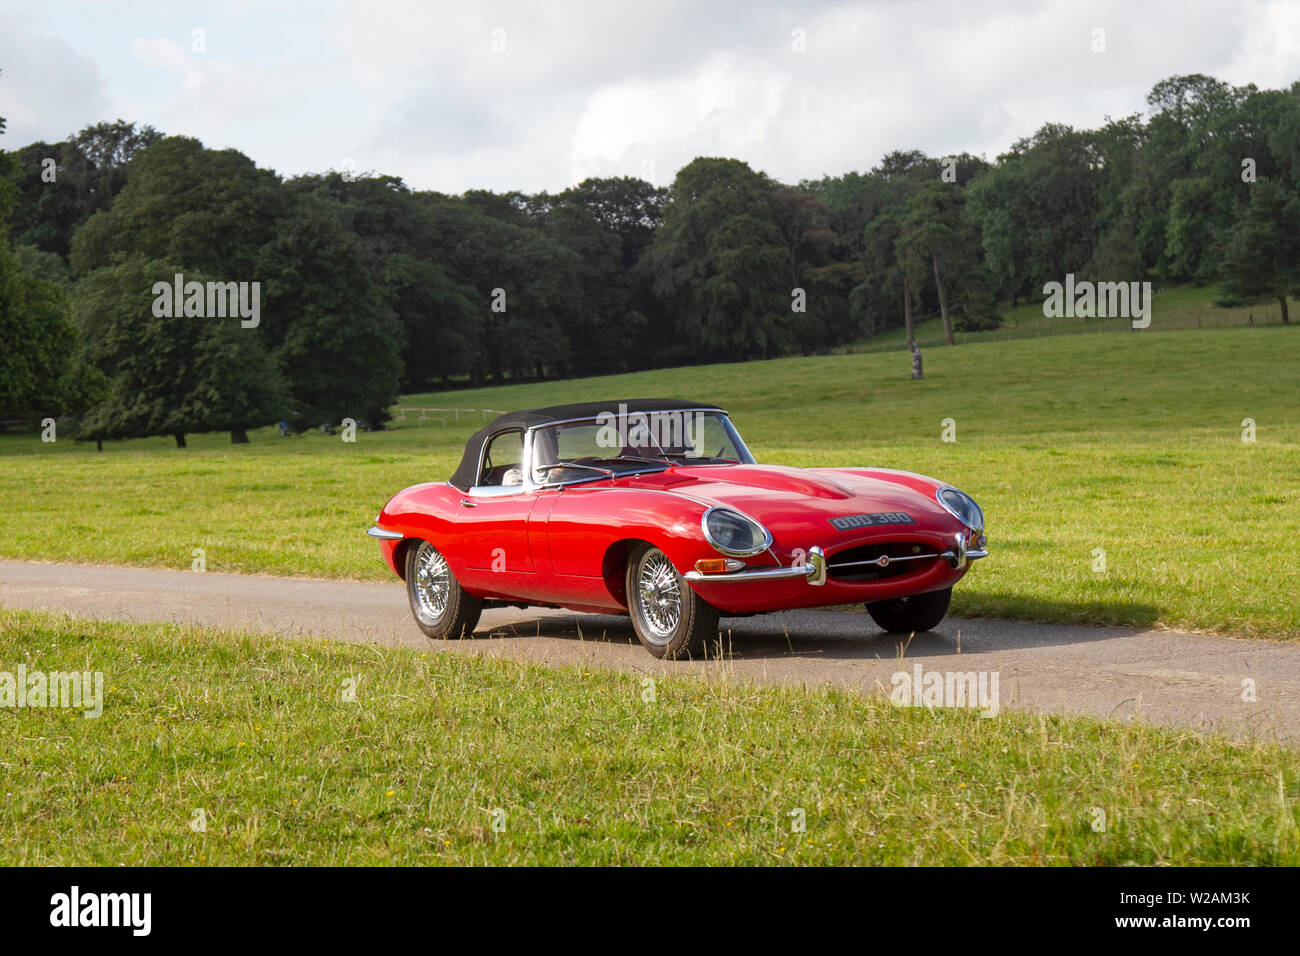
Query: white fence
440, 414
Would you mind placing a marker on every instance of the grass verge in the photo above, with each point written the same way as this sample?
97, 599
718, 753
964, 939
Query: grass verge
581, 767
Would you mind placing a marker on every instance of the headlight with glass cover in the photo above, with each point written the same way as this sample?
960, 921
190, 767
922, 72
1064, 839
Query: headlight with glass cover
961, 506
734, 533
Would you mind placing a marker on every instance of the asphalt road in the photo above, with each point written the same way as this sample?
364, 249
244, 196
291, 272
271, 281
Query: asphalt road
1165, 677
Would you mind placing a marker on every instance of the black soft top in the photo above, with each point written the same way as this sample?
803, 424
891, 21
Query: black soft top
465, 475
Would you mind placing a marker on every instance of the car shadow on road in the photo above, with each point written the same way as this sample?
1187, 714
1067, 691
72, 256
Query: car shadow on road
839, 634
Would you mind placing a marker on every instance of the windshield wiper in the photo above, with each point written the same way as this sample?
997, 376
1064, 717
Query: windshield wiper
574, 464
654, 461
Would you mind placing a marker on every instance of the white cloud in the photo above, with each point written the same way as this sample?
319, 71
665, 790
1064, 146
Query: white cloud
415, 89
1269, 51
47, 89
159, 53
726, 107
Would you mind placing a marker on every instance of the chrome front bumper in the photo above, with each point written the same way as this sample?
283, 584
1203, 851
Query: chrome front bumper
384, 535
813, 570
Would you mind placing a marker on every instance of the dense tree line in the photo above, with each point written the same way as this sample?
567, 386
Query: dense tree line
365, 288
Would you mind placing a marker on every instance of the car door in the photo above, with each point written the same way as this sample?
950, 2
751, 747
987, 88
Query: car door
577, 533
492, 516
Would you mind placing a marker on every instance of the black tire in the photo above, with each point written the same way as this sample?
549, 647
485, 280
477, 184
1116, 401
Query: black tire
694, 623
440, 617
908, 615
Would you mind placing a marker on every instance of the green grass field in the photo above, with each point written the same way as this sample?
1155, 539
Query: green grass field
1173, 309
578, 766
1131, 444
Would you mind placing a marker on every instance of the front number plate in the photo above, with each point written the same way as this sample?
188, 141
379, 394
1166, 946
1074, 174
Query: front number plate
849, 522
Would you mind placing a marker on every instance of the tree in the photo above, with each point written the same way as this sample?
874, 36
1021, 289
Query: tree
803, 222
719, 265
397, 242
1229, 128
630, 208
1037, 210
526, 287
44, 265
38, 372
601, 324
1191, 100
911, 268
1284, 138
334, 339
901, 222
167, 374
1263, 253
884, 280
90, 169
48, 210
876, 204
38, 344
206, 212
932, 228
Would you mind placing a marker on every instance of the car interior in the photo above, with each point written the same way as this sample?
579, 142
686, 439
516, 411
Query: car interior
503, 461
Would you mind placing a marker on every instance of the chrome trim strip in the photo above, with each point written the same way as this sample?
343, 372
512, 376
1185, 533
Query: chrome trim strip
704, 527
611, 477
483, 450
891, 560
661, 411
384, 535
959, 555
530, 484
816, 568
760, 574
814, 572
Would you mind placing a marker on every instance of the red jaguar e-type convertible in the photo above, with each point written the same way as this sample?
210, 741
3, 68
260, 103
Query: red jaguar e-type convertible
655, 508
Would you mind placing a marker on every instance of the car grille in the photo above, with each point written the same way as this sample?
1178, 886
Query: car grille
864, 563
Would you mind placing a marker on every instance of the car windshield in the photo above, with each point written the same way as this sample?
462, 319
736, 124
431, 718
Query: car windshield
640, 441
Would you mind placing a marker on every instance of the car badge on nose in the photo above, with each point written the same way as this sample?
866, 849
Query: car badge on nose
883, 560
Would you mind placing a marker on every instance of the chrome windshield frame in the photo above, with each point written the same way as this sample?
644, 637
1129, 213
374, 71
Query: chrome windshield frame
530, 444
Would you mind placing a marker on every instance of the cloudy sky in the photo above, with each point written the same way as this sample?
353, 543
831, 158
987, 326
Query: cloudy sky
539, 95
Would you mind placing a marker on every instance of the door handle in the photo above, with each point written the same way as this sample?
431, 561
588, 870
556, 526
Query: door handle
466, 503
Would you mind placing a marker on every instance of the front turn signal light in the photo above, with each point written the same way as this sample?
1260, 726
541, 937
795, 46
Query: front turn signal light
718, 565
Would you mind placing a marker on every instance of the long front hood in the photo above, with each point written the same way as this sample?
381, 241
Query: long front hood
787, 499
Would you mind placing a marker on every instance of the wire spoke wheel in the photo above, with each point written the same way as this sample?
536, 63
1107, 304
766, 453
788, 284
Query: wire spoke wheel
432, 584
442, 608
671, 621
658, 596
